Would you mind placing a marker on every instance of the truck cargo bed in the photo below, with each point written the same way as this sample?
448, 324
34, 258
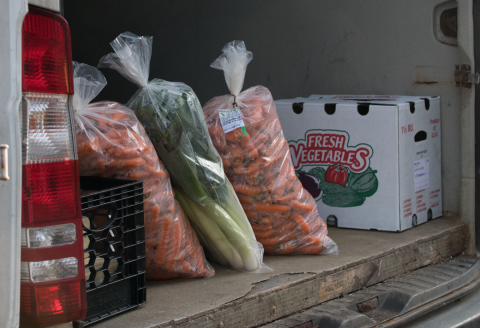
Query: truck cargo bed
233, 299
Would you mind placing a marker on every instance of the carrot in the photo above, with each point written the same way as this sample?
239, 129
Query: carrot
267, 219
246, 189
185, 266
310, 249
262, 228
261, 149
301, 206
235, 155
254, 179
274, 240
127, 152
251, 214
246, 207
279, 185
246, 199
302, 224
245, 141
266, 234
287, 197
153, 211
239, 170
219, 144
253, 167
287, 247
150, 243
164, 238
268, 207
256, 118
125, 163
175, 240
226, 162
140, 175
285, 229
161, 173
252, 153
118, 116
234, 136
260, 138
215, 131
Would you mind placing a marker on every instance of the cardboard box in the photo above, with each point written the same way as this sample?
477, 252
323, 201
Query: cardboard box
371, 162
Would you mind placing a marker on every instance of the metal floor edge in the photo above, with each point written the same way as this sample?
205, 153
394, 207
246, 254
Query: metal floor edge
392, 302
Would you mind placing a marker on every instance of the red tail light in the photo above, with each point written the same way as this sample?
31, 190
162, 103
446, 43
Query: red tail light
53, 274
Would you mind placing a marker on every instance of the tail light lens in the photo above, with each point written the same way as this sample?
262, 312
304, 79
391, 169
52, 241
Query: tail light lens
53, 274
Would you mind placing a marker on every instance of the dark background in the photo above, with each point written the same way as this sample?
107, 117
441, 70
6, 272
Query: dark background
178, 55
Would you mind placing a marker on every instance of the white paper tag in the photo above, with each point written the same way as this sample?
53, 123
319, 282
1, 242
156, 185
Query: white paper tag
231, 119
421, 174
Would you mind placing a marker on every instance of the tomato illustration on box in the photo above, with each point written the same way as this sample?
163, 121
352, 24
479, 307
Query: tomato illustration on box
332, 171
370, 162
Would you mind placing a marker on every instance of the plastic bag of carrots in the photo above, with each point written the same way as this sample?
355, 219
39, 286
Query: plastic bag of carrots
256, 159
112, 143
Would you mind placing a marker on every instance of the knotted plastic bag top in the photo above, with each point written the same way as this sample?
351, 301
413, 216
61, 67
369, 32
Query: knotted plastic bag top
88, 82
131, 57
233, 62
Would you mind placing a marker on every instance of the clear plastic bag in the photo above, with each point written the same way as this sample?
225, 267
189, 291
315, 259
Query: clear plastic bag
282, 213
112, 143
174, 121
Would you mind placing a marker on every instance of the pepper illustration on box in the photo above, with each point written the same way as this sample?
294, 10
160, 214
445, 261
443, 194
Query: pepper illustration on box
333, 171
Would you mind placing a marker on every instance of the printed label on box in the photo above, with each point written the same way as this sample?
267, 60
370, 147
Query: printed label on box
230, 119
333, 170
421, 174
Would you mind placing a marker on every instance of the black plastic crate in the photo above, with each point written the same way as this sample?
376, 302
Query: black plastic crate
116, 241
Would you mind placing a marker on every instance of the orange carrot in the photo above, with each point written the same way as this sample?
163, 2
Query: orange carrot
226, 163
287, 197
274, 240
266, 234
139, 175
287, 247
215, 131
246, 207
254, 179
268, 207
239, 170
164, 238
245, 141
251, 214
301, 206
175, 240
267, 219
302, 224
118, 116
150, 243
252, 153
285, 229
261, 228
310, 249
260, 138
246, 199
235, 135
235, 155
246, 189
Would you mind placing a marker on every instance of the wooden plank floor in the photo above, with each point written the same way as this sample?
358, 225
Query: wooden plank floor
235, 299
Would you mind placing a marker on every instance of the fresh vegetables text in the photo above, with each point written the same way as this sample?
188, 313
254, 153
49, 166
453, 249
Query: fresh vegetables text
330, 147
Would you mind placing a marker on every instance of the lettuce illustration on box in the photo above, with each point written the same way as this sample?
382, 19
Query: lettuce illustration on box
332, 170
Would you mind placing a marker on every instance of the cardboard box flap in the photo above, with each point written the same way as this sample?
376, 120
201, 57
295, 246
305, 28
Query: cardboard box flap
355, 99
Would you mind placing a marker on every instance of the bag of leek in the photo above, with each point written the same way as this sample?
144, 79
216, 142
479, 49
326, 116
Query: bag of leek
174, 121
